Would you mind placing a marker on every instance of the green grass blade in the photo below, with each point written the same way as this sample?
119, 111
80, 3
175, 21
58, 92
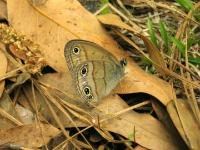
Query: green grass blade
152, 32
180, 45
186, 4
195, 61
164, 34
106, 10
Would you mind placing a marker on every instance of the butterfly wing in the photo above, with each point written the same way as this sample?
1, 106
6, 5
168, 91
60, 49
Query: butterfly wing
87, 51
94, 70
100, 78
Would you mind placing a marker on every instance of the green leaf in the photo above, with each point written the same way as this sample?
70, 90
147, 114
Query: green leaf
152, 32
186, 4
164, 34
195, 61
180, 45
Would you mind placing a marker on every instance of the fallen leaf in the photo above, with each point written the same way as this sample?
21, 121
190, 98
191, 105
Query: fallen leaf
141, 128
149, 132
30, 136
164, 117
3, 10
63, 83
58, 21
138, 81
43, 108
185, 122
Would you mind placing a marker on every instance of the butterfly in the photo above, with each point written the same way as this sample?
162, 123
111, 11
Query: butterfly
94, 70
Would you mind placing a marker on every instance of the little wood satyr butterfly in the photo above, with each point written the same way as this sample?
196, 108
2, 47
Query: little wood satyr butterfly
94, 71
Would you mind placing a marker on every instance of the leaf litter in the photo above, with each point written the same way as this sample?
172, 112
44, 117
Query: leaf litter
51, 97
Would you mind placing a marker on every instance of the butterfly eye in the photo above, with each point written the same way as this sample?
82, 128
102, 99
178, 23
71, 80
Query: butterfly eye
123, 62
84, 70
76, 50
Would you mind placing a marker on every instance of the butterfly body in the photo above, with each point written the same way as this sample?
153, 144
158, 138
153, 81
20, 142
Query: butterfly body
95, 71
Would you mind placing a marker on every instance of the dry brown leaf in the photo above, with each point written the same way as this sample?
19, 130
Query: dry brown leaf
137, 81
41, 104
53, 24
63, 83
10, 65
3, 10
185, 122
146, 130
37, 2
30, 136
3, 68
147, 126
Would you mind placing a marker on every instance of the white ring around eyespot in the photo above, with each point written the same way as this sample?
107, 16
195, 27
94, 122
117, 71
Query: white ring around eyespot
76, 53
